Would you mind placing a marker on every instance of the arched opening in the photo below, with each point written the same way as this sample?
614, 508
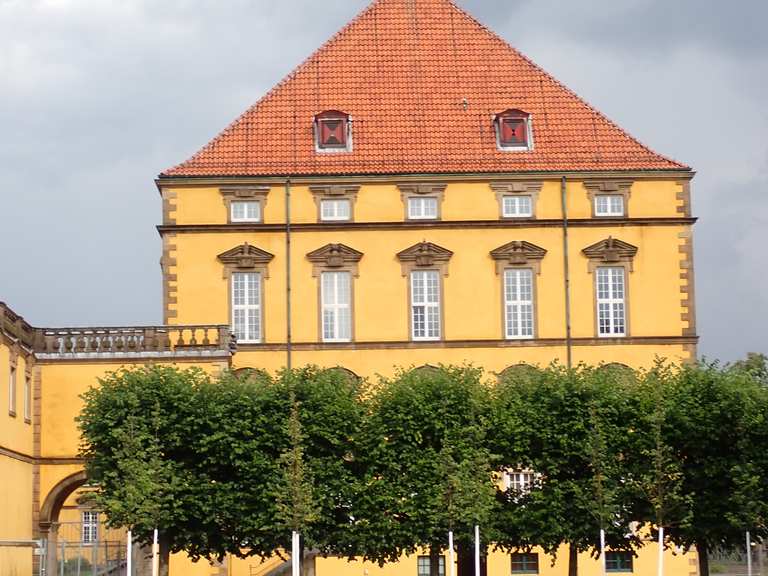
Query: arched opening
425, 370
618, 372
251, 374
518, 373
49, 515
344, 373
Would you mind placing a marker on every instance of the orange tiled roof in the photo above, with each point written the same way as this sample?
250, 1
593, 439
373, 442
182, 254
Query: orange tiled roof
403, 70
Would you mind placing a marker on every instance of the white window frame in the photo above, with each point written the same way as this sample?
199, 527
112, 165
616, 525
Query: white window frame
610, 210
516, 308
521, 481
12, 391
424, 565
246, 218
28, 398
431, 310
247, 307
332, 327
608, 303
89, 526
515, 202
335, 216
421, 202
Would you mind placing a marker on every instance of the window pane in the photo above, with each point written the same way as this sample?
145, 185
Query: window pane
336, 297
246, 306
339, 209
246, 211
422, 207
525, 563
424, 563
517, 206
609, 205
518, 298
425, 304
611, 307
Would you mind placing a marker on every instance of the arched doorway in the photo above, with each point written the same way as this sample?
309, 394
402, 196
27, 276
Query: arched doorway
49, 515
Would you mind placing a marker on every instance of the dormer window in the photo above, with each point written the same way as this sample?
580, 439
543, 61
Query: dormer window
513, 130
333, 132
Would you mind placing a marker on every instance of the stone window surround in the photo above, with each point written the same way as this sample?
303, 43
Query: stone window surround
13, 379
425, 256
246, 258
519, 254
332, 115
621, 188
245, 193
517, 188
514, 113
611, 253
28, 384
424, 189
335, 258
335, 192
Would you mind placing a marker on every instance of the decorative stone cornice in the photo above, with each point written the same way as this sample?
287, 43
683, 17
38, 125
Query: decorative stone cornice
612, 187
335, 190
245, 192
608, 186
517, 187
244, 258
518, 253
421, 188
425, 255
334, 257
611, 252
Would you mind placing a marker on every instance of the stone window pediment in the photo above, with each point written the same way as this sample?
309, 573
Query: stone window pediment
424, 255
610, 252
518, 253
597, 188
334, 257
245, 258
434, 190
245, 194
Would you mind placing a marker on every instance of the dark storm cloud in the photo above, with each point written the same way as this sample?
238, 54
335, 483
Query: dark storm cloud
98, 96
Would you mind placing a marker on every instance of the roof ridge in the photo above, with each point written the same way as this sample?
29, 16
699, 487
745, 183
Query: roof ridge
394, 83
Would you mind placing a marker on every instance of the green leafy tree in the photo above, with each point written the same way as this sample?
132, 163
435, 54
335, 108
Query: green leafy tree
718, 432
424, 464
572, 427
135, 431
756, 365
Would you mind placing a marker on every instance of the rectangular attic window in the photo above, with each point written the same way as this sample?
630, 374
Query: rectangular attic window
332, 132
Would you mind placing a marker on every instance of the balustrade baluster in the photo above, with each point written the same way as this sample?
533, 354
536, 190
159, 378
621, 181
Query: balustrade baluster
206, 340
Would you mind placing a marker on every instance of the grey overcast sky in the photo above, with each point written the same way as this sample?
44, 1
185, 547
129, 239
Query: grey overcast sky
98, 96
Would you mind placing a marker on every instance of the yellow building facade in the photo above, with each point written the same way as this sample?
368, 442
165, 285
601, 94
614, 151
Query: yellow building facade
394, 203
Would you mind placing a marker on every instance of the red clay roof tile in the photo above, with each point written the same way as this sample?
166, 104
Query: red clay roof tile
402, 70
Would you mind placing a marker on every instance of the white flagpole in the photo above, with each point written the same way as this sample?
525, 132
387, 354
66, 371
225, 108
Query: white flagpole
451, 565
295, 553
155, 556
128, 554
477, 550
602, 551
661, 550
749, 554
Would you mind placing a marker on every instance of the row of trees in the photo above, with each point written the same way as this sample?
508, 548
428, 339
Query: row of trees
235, 464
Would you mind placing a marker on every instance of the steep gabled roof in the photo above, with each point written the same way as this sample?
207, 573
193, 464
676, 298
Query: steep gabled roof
422, 81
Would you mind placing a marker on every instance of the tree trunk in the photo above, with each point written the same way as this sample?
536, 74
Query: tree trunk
434, 561
465, 561
302, 570
701, 549
165, 555
573, 560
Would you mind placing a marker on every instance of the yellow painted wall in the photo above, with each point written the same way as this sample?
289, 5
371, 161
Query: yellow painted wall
15, 473
499, 563
382, 202
15, 515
